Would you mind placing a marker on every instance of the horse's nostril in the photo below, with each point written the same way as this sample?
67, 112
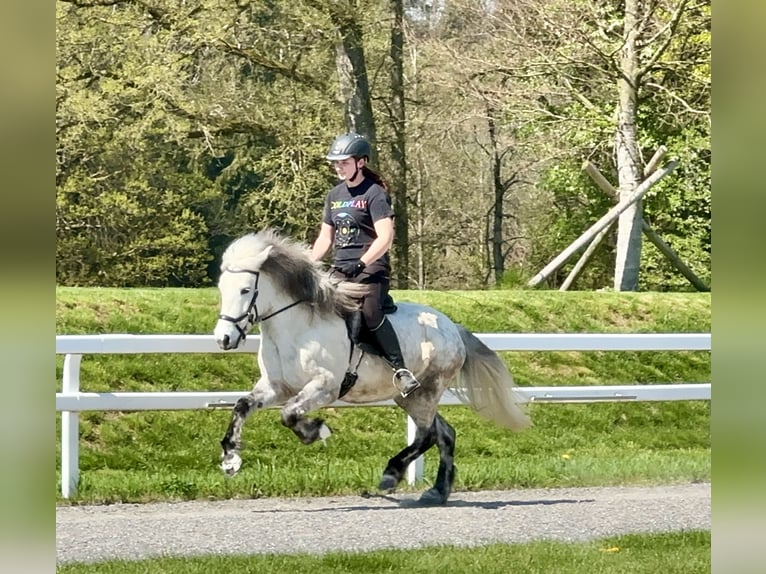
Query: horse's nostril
225, 341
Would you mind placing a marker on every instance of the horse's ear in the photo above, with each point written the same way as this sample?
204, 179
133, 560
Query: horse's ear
262, 257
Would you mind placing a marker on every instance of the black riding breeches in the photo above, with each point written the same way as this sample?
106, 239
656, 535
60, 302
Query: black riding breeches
378, 283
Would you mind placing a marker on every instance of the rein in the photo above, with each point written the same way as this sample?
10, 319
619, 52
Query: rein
251, 313
278, 311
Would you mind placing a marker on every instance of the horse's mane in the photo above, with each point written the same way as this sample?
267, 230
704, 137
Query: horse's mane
292, 268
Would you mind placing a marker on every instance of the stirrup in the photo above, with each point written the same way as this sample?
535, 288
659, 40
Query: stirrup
405, 382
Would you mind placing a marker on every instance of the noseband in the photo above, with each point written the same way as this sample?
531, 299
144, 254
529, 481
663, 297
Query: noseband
251, 313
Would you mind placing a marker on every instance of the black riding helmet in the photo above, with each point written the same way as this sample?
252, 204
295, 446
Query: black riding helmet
348, 145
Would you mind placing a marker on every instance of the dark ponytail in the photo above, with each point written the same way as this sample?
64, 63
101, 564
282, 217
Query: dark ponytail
367, 172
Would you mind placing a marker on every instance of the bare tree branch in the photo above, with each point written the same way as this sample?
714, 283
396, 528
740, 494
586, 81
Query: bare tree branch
286, 71
669, 31
678, 99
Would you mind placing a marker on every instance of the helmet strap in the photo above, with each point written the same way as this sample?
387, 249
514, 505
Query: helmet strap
356, 170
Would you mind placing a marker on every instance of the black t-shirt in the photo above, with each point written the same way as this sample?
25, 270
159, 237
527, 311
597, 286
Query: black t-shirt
353, 211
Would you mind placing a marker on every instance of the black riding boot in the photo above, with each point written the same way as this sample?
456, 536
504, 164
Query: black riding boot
388, 342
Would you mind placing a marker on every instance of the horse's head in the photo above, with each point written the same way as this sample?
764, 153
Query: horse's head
264, 274
241, 288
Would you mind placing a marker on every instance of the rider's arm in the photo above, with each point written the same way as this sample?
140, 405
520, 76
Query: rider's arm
384, 228
323, 242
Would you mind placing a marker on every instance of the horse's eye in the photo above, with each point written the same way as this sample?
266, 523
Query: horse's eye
244, 291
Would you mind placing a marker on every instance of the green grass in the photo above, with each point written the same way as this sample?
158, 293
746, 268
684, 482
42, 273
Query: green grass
674, 553
134, 457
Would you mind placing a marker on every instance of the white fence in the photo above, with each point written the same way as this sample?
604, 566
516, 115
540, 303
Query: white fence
72, 400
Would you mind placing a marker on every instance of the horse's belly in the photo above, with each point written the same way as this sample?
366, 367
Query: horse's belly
374, 382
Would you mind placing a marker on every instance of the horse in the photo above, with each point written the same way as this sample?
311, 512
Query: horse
308, 357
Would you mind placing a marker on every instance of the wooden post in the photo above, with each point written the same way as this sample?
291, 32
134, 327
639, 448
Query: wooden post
668, 252
600, 180
655, 161
594, 229
584, 258
604, 184
664, 248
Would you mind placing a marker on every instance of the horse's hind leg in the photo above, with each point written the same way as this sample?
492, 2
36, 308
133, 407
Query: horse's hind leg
445, 440
262, 395
392, 475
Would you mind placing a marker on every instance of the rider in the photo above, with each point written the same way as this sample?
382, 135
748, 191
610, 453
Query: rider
358, 223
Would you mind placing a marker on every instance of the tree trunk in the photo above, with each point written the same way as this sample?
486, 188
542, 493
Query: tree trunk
629, 164
354, 85
398, 173
496, 238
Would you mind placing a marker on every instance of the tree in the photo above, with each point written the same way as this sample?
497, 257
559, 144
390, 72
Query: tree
398, 147
595, 60
184, 93
646, 37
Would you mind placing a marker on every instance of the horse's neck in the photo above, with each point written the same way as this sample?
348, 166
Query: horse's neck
291, 328
278, 322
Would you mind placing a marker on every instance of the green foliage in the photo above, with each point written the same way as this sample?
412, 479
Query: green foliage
679, 209
143, 232
202, 123
163, 155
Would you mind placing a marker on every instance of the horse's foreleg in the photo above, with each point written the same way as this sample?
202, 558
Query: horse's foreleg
261, 397
315, 395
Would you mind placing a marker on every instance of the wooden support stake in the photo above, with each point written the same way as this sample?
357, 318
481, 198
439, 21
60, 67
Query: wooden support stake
600, 180
584, 258
594, 229
668, 252
655, 161
604, 184
651, 235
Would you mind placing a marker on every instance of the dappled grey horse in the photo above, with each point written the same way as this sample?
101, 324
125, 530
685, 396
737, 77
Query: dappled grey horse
307, 359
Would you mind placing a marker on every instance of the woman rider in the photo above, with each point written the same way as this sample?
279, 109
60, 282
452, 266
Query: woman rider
358, 223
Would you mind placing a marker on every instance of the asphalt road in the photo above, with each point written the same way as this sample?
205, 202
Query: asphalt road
361, 523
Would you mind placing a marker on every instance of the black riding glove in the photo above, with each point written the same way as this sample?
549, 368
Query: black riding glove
352, 268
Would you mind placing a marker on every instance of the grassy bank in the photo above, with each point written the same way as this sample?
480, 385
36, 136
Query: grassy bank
174, 455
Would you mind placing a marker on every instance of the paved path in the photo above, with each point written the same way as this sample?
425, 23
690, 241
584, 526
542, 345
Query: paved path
358, 523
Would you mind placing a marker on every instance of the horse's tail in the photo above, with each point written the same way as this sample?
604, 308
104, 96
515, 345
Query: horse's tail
486, 385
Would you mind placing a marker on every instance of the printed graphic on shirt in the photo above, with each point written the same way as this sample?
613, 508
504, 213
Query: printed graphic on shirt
346, 229
354, 203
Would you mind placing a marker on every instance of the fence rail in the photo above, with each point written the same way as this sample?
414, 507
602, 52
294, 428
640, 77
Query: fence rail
72, 400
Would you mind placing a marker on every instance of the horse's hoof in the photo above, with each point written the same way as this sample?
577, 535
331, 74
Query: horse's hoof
432, 497
231, 464
388, 482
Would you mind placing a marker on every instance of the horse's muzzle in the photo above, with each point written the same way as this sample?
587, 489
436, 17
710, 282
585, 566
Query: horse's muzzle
226, 344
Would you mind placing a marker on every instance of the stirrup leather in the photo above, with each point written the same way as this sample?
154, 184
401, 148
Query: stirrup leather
405, 382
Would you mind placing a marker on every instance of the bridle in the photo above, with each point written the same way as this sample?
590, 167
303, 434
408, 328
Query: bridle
251, 313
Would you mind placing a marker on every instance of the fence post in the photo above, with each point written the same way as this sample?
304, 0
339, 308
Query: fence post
415, 469
70, 429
